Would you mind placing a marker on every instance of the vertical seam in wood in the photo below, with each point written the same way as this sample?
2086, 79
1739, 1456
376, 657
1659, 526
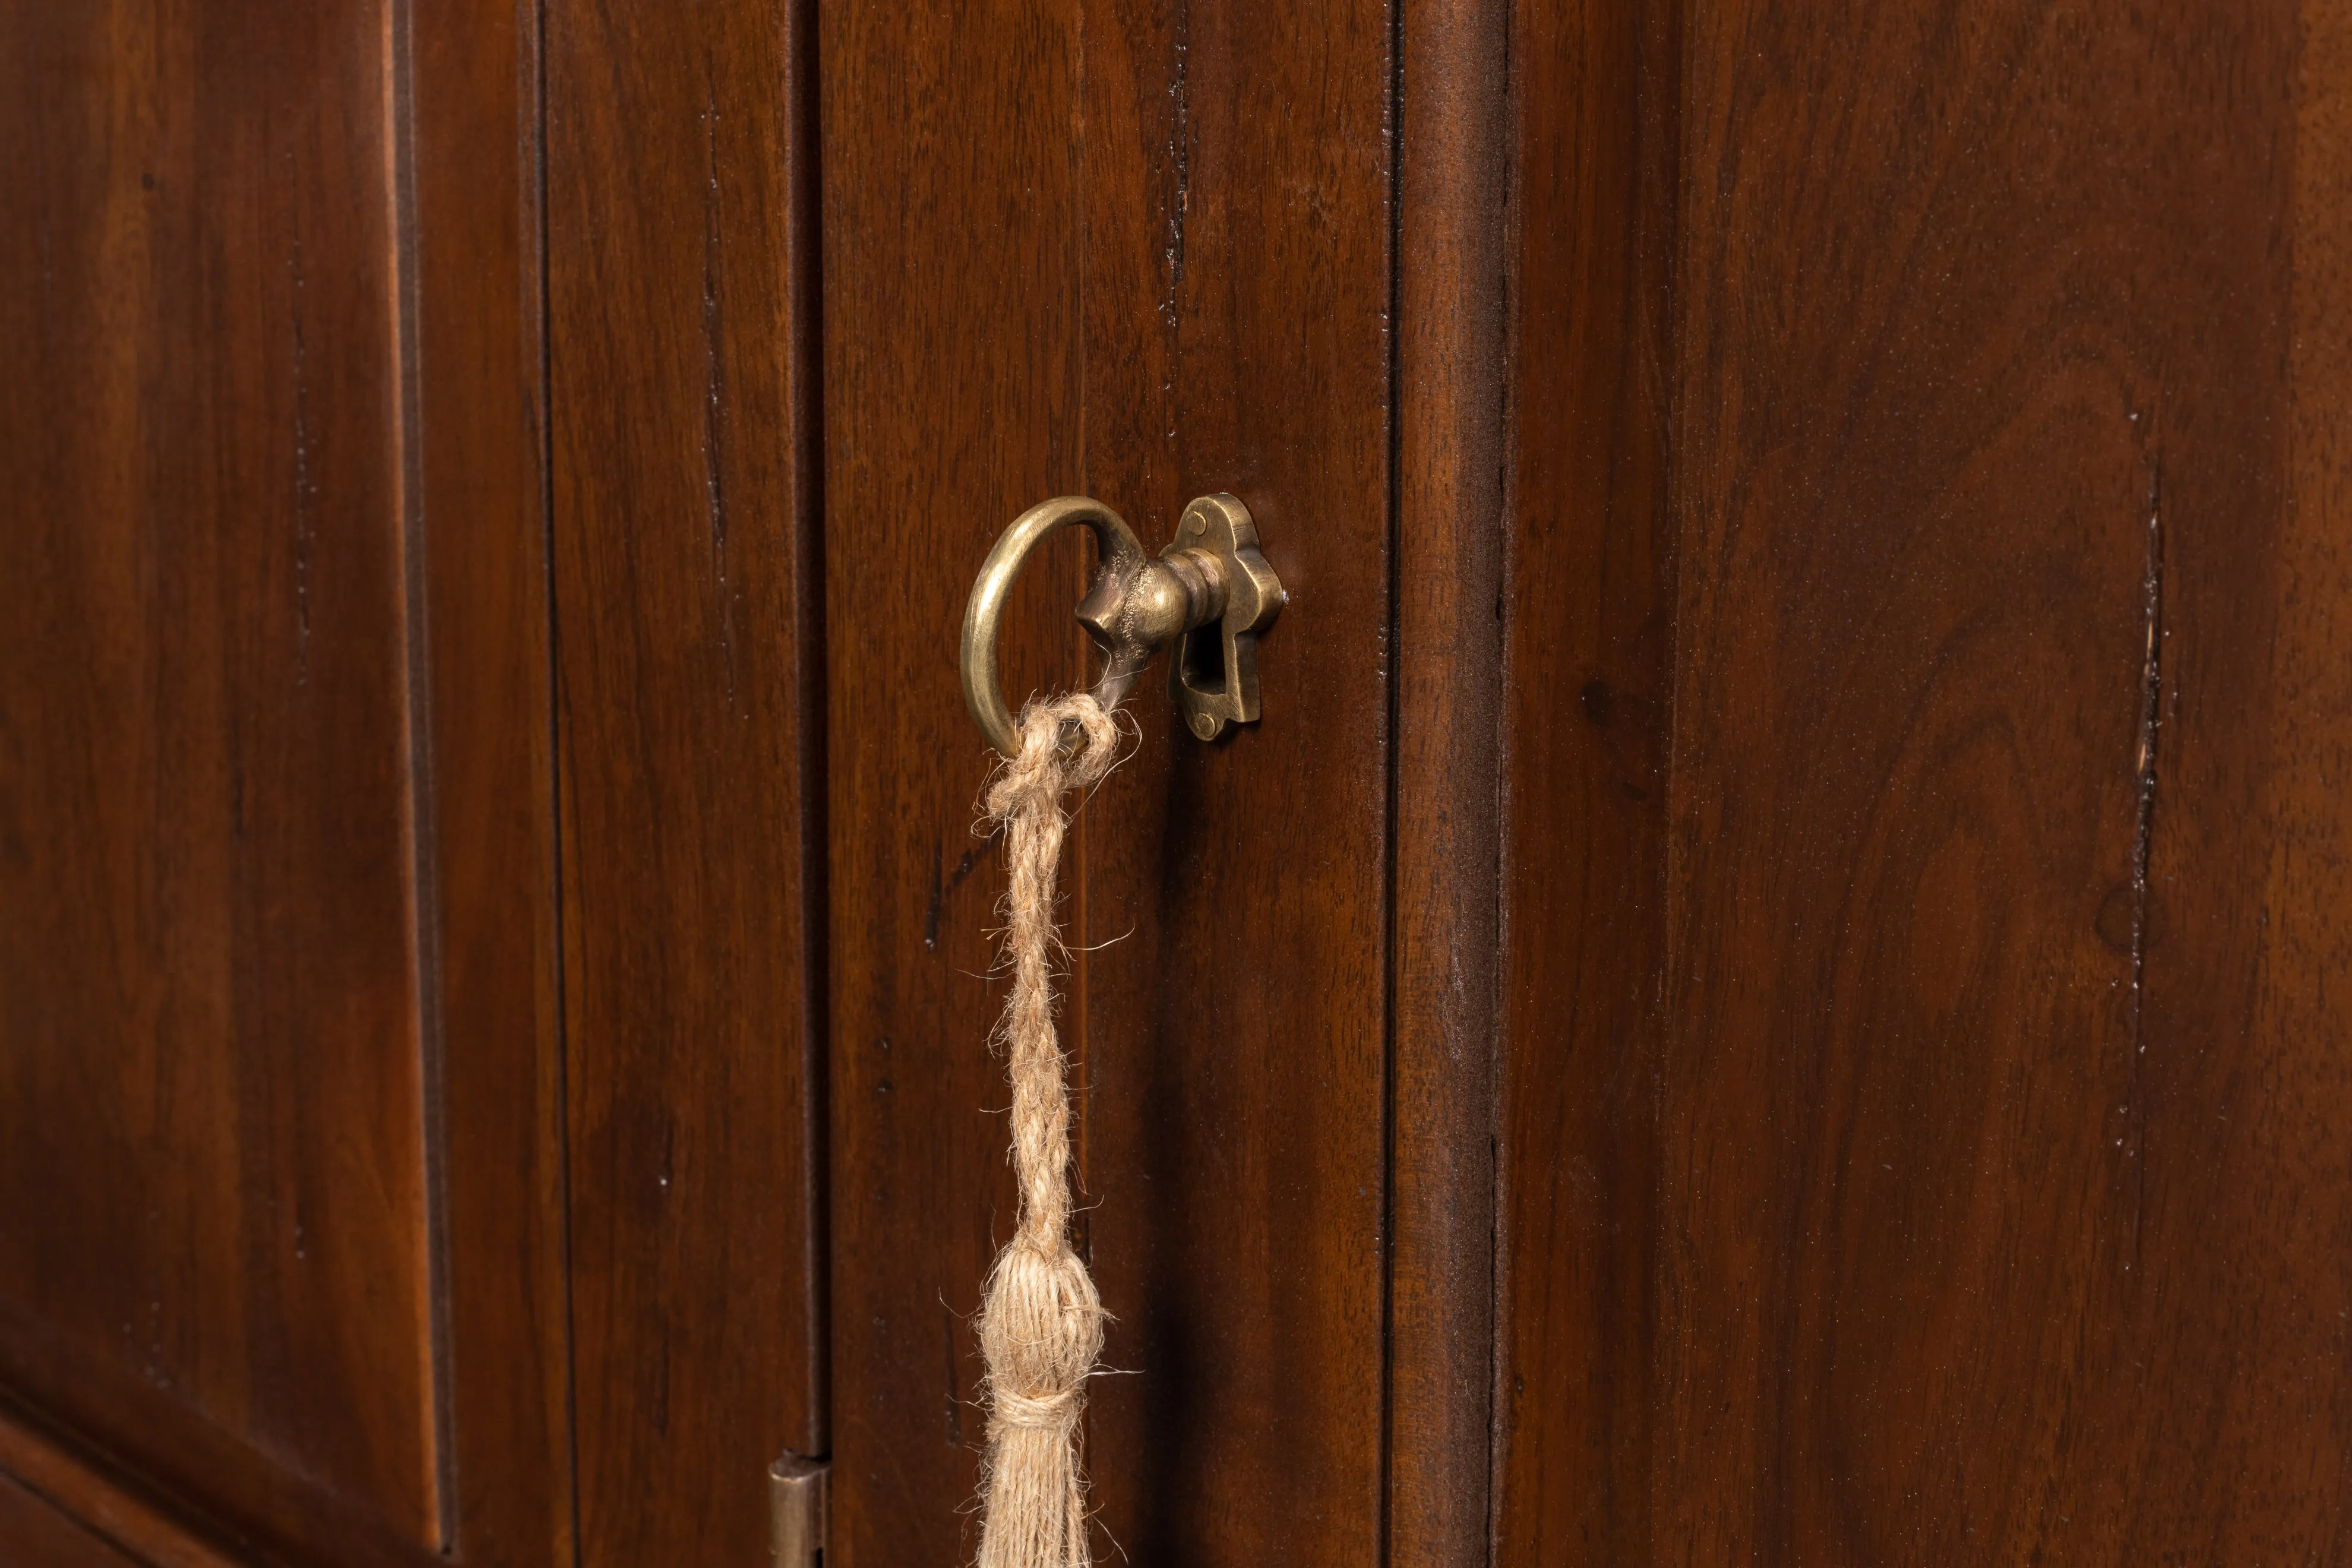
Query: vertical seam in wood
539, 309
418, 693
1391, 619
1507, 564
804, 174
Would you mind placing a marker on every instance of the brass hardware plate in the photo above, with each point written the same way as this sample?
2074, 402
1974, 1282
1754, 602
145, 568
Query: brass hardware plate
798, 1517
1210, 593
1212, 675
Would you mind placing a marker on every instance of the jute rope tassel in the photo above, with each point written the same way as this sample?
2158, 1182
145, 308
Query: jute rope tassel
1041, 1325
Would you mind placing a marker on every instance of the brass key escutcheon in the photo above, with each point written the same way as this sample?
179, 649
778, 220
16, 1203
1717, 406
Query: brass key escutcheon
1210, 593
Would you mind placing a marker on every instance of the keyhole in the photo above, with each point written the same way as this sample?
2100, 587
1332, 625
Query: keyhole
1204, 660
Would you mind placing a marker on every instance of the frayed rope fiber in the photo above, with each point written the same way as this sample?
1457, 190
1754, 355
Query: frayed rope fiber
1041, 1327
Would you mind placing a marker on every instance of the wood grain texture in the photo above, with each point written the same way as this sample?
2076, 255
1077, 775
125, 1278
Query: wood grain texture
1115, 251
486, 744
1587, 663
1997, 1222
676, 279
1236, 910
953, 385
102, 1503
34, 1535
2233, 1412
1452, 335
213, 1254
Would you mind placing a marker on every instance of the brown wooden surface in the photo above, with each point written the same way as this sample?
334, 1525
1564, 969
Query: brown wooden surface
38, 1536
1109, 251
1984, 1219
101, 1501
486, 737
953, 389
1977, 1194
1235, 1022
213, 1256
676, 272
2232, 1413
1925, 598
277, 712
1588, 648
1452, 324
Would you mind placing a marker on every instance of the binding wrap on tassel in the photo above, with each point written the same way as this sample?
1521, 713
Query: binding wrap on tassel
1041, 1325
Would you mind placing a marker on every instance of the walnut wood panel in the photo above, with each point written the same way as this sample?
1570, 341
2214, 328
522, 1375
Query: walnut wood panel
1999, 1220
100, 1501
953, 384
1452, 331
1143, 253
479, 477
38, 1536
213, 1237
677, 277
1588, 650
2226, 1376
1235, 911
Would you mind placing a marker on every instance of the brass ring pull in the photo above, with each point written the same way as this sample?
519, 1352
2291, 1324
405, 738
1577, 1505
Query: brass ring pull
1121, 556
1213, 573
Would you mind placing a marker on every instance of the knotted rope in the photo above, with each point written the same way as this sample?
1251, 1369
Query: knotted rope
1041, 1326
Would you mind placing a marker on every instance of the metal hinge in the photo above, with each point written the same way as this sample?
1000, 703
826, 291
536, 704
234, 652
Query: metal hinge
797, 1516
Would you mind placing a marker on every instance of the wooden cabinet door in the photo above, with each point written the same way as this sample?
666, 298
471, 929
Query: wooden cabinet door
280, 1180
1767, 986
1928, 629
681, 318
1082, 249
